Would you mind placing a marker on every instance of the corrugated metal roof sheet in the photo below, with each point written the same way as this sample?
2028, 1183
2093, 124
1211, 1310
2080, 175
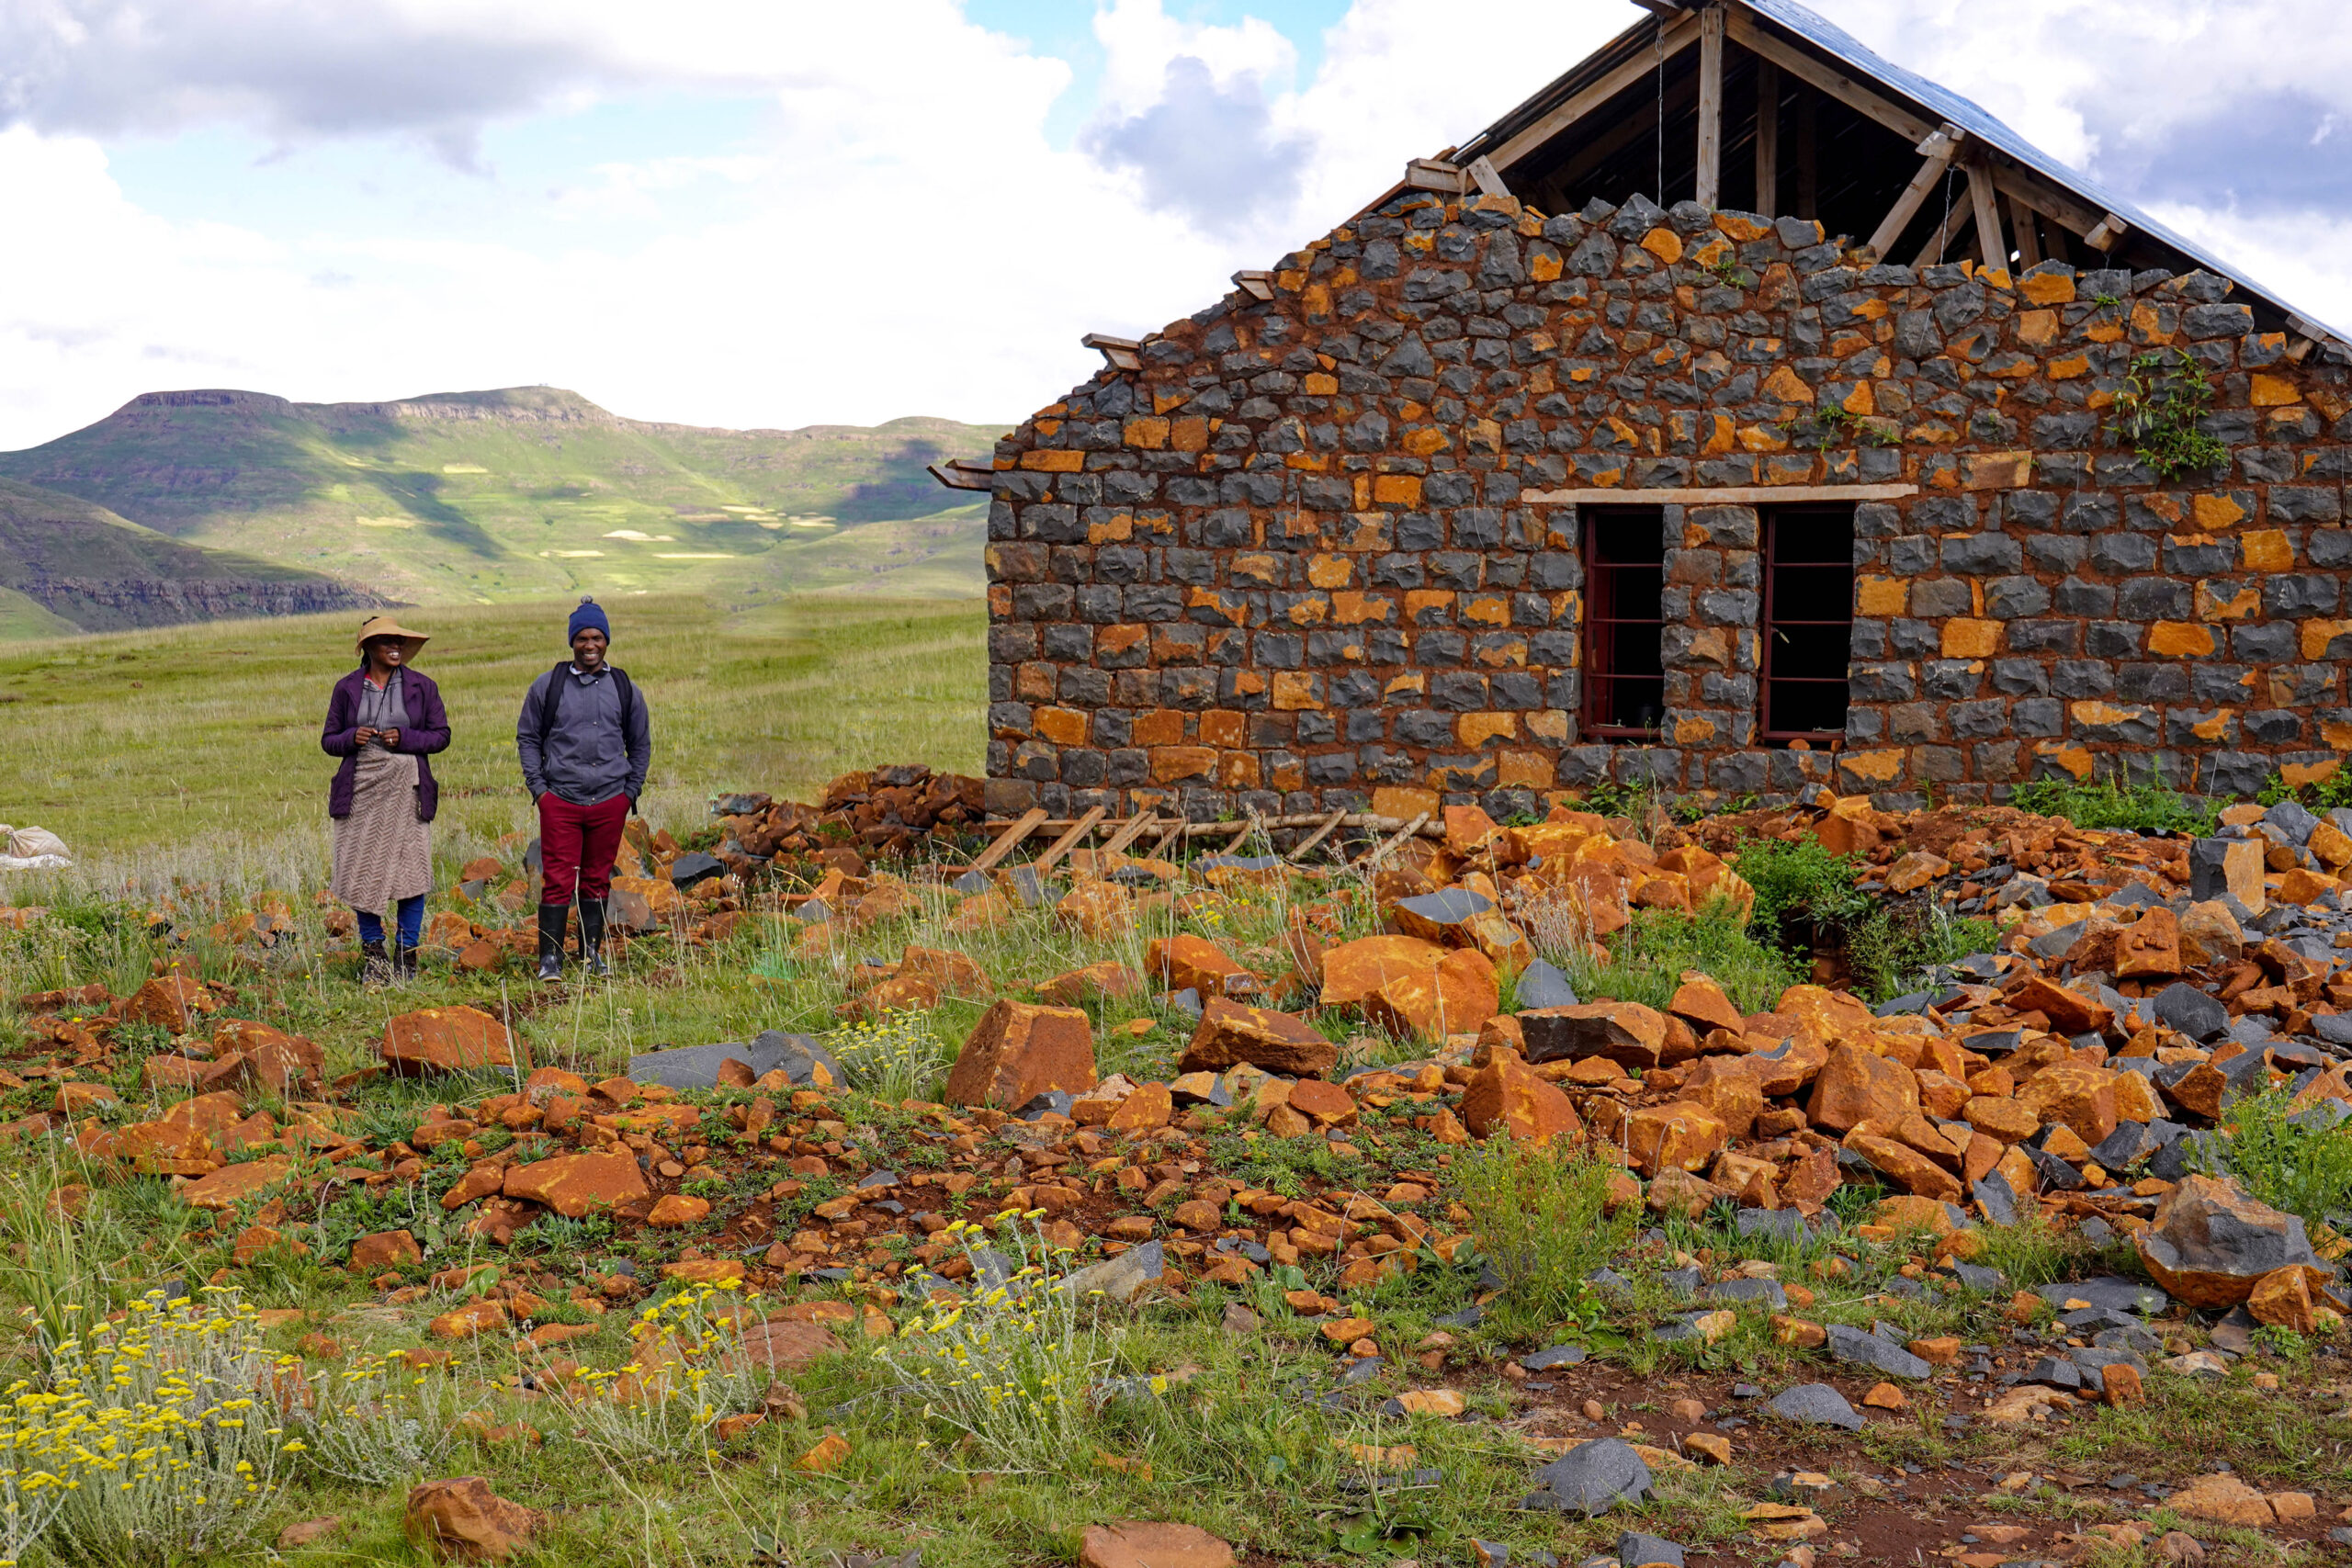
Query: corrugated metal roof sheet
1943, 102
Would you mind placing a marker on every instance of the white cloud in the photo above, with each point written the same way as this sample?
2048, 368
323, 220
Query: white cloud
899, 235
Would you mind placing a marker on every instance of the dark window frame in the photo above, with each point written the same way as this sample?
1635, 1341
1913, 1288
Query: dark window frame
1774, 520
1601, 603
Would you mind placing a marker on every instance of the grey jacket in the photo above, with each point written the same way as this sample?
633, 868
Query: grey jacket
587, 759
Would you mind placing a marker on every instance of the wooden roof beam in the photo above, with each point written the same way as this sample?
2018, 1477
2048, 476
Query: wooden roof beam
1937, 149
1982, 198
1752, 36
1710, 106
1435, 174
2023, 186
1678, 34
1120, 352
963, 473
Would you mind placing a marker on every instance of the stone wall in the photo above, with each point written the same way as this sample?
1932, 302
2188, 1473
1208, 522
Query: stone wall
1304, 557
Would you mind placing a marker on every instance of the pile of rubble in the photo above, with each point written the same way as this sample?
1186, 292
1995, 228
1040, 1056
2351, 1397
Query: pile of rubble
880, 812
2083, 1079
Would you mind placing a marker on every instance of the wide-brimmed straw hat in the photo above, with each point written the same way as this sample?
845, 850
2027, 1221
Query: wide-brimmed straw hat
384, 625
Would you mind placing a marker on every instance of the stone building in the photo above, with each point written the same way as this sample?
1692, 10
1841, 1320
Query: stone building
1891, 455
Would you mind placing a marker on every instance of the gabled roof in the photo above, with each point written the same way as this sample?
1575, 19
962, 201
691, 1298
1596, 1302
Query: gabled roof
1918, 106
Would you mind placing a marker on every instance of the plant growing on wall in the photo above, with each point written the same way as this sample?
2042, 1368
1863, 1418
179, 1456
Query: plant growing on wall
2165, 394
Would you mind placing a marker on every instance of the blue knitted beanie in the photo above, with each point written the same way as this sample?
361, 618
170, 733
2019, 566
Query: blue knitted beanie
590, 614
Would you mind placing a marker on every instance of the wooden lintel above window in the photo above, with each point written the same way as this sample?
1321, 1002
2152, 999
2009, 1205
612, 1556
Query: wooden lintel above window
1741, 495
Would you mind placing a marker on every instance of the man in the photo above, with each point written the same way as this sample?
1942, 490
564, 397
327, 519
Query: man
586, 743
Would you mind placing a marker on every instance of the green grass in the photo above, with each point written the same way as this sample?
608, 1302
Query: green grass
2287, 1166
1645, 961
528, 492
1538, 1216
1887, 949
2145, 807
207, 734
1801, 883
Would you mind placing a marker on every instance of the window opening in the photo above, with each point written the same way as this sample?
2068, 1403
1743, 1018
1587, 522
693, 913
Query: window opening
1808, 622
1625, 671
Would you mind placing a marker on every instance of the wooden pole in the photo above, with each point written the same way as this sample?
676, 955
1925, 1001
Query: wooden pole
1307, 845
2028, 242
1068, 840
1768, 138
1981, 196
1711, 105
1936, 155
1808, 168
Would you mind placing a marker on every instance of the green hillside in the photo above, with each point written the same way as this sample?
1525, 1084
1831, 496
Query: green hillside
528, 492
67, 564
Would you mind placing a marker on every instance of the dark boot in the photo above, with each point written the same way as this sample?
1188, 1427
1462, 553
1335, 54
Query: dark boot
404, 963
592, 934
552, 919
375, 968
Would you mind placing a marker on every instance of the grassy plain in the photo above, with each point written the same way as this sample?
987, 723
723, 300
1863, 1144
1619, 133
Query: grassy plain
146, 746
145, 750
523, 492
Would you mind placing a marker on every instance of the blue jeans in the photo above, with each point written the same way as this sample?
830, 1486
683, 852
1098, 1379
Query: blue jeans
412, 918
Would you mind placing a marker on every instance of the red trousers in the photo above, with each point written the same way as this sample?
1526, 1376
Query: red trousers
577, 844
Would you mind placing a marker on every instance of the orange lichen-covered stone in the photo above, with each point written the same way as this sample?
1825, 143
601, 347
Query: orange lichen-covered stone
445, 1039
1277, 1042
1354, 970
1018, 1051
578, 1185
1854, 1087
1506, 1096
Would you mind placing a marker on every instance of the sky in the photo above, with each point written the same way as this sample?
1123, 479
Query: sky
774, 213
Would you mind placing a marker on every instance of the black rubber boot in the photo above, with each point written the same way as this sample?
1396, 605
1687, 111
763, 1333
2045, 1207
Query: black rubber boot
592, 934
404, 963
375, 968
552, 919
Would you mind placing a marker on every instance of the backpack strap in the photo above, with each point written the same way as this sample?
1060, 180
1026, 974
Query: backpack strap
548, 704
555, 697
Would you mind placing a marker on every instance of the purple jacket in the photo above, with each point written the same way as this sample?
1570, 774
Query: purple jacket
427, 732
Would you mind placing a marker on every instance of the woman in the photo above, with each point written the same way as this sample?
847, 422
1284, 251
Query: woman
383, 720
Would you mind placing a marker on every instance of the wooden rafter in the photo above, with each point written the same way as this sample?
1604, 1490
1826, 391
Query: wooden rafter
2022, 222
1010, 840
2107, 234
1980, 197
1939, 243
1711, 107
1132, 828
1306, 845
2024, 186
1679, 36
1068, 840
1752, 36
1936, 151
1607, 145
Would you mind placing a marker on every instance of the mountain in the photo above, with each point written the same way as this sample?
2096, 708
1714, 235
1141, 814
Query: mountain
67, 566
529, 492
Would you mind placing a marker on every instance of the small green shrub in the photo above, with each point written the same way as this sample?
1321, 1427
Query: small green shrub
2165, 393
894, 1057
1888, 948
2325, 795
1646, 960
1012, 1370
2145, 807
1537, 1215
2290, 1167
1801, 882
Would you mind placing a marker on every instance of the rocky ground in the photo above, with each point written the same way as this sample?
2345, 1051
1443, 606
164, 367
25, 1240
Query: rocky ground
2033, 1262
